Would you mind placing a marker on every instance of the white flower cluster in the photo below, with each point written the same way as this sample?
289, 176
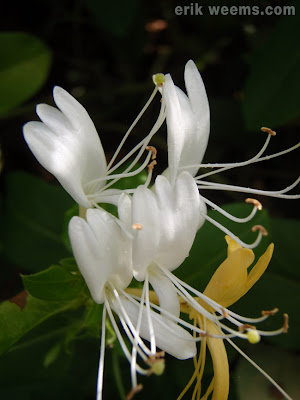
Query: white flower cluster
155, 228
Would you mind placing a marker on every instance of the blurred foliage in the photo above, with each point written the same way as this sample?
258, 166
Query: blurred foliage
105, 54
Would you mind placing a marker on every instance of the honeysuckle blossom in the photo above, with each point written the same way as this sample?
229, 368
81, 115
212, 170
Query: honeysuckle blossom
103, 251
67, 144
188, 130
209, 309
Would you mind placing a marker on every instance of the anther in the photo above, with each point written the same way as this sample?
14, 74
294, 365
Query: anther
153, 151
255, 202
286, 323
159, 79
152, 165
271, 312
259, 228
224, 312
134, 391
243, 327
137, 226
268, 130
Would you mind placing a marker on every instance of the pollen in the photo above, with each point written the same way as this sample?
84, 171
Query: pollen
158, 367
260, 228
153, 151
255, 202
139, 227
271, 312
253, 336
268, 130
159, 79
152, 165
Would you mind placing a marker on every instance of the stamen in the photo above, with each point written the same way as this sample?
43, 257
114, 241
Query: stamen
231, 188
260, 370
268, 130
229, 216
243, 327
151, 166
101, 359
234, 237
153, 151
259, 228
134, 391
255, 202
131, 127
271, 312
286, 323
137, 226
148, 312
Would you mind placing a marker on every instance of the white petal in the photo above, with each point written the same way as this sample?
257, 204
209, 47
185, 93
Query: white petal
179, 219
165, 290
195, 146
182, 347
144, 213
102, 251
68, 146
175, 126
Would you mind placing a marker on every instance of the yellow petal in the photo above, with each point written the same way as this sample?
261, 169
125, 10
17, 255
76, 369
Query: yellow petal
260, 267
229, 281
220, 363
232, 245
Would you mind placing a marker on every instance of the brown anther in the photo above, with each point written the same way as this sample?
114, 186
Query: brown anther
134, 391
153, 151
151, 165
271, 312
259, 228
224, 312
243, 327
206, 334
286, 323
268, 130
139, 227
155, 358
255, 202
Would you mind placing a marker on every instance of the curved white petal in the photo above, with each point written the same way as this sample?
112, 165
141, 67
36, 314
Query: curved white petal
187, 122
165, 291
195, 146
181, 346
102, 251
145, 215
179, 209
68, 146
175, 126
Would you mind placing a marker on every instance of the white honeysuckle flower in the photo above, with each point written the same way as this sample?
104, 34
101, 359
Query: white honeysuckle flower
67, 144
188, 130
103, 251
164, 221
188, 121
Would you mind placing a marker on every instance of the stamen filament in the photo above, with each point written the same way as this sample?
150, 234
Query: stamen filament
132, 126
260, 370
229, 233
229, 216
278, 194
101, 359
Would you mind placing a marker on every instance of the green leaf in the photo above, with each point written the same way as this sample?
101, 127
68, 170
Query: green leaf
24, 67
114, 17
272, 90
54, 284
33, 225
286, 259
15, 322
